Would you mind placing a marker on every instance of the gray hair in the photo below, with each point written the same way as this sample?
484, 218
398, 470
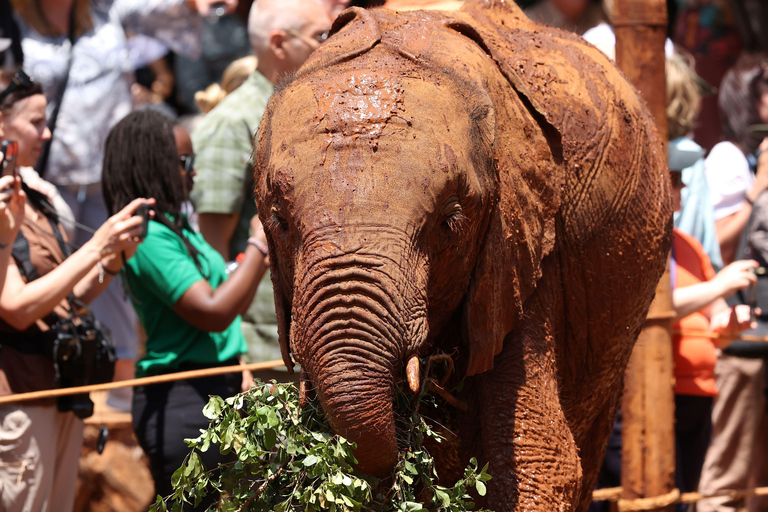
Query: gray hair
269, 15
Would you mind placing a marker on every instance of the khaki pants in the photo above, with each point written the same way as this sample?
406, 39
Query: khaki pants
740, 436
39, 451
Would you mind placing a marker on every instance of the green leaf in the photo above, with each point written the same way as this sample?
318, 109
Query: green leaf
213, 408
270, 438
442, 497
310, 460
480, 486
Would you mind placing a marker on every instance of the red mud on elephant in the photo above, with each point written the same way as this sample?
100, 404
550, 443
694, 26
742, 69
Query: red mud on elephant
470, 184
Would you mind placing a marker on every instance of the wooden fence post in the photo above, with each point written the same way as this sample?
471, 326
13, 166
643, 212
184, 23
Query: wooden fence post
648, 451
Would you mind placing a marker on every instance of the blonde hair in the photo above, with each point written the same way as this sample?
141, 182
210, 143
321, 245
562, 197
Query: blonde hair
683, 94
32, 14
232, 78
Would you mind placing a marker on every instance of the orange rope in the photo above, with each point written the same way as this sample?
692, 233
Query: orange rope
714, 335
614, 494
144, 381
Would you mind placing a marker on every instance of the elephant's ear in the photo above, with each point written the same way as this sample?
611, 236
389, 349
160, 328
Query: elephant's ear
578, 100
283, 312
567, 81
521, 233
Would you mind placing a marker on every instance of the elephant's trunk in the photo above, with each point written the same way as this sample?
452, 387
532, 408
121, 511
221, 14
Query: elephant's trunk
350, 334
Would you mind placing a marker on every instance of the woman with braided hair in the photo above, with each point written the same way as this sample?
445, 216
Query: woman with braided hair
178, 285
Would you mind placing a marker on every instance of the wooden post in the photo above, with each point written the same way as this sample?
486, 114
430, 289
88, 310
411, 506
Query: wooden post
648, 449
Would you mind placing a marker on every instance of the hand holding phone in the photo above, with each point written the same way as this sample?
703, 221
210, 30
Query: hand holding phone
143, 212
9, 150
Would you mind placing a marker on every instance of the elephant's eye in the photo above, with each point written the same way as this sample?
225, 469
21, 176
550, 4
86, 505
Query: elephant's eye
276, 219
453, 217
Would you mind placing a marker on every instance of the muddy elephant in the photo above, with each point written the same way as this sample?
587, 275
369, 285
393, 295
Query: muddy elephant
470, 184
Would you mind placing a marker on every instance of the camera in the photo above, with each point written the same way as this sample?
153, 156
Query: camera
143, 212
9, 150
83, 354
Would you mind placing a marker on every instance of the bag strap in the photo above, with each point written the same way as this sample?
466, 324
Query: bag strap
42, 161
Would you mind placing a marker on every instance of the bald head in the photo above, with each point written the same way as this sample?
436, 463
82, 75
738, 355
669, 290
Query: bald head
267, 16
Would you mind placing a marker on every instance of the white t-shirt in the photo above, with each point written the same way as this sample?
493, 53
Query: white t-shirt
729, 178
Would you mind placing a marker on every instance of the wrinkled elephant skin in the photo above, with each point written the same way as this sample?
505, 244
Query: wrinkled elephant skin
477, 185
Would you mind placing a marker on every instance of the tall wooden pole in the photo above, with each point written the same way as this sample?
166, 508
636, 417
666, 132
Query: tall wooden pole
648, 449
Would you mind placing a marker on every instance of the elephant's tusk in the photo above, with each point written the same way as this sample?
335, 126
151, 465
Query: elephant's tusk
303, 385
412, 372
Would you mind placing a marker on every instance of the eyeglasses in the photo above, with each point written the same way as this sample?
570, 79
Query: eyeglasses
187, 162
319, 38
20, 80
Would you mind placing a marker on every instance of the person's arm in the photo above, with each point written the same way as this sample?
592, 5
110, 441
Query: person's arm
21, 304
217, 229
736, 276
214, 310
729, 229
12, 200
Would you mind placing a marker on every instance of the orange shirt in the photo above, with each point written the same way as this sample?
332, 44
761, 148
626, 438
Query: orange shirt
694, 356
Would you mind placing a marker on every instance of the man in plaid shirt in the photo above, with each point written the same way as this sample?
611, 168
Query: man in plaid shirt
283, 33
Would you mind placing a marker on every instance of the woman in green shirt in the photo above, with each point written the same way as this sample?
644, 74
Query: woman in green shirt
179, 288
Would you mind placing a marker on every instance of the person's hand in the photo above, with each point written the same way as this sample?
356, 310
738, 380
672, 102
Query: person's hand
736, 276
205, 7
118, 237
731, 322
12, 200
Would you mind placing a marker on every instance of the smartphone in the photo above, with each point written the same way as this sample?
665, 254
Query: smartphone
9, 150
143, 212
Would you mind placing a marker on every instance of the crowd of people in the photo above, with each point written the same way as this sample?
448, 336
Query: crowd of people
120, 107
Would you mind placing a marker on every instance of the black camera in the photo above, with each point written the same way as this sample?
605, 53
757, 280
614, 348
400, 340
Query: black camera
143, 212
83, 354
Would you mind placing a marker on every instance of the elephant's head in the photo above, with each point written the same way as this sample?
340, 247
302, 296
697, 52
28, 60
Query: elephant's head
411, 184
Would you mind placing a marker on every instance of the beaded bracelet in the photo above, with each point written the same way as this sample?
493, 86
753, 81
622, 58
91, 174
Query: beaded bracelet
261, 246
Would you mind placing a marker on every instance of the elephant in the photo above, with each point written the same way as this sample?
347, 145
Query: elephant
468, 184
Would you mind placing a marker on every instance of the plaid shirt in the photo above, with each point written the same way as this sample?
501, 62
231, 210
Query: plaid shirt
224, 184
222, 142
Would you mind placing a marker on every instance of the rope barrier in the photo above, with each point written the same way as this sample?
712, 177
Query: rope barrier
714, 335
653, 503
143, 381
670, 498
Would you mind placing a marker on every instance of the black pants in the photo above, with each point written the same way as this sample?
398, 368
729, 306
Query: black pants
693, 431
166, 414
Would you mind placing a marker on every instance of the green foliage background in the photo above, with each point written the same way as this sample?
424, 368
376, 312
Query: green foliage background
285, 458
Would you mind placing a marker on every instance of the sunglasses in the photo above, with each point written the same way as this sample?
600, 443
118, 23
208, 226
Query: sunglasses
319, 38
20, 80
187, 162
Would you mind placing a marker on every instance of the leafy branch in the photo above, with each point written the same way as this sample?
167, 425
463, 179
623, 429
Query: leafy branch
285, 458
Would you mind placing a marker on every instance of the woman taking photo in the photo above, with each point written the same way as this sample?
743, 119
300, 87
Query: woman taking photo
23, 121
41, 442
179, 288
